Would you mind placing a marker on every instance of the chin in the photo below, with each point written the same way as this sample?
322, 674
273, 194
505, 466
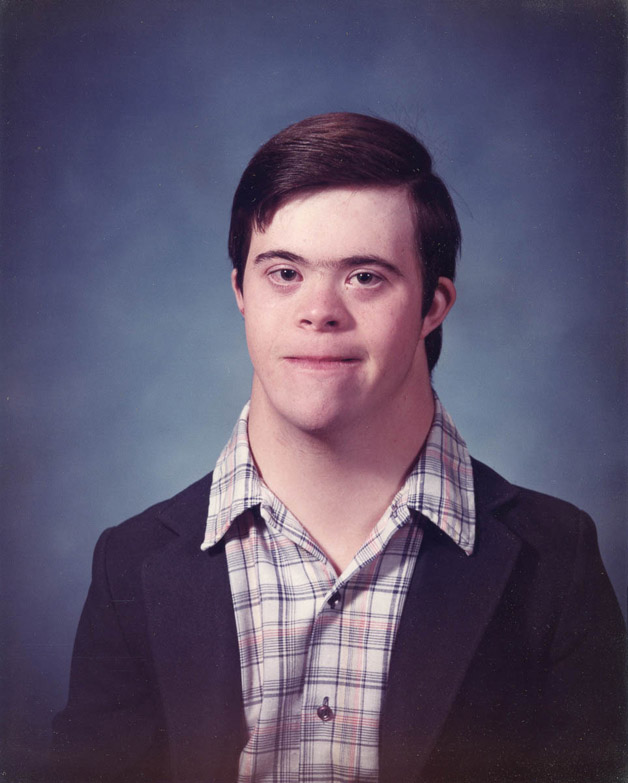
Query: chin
320, 419
307, 408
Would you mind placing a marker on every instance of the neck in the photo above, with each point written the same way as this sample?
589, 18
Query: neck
349, 473
389, 437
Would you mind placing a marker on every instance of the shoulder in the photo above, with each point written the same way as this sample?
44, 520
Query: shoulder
181, 516
559, 573
545, 523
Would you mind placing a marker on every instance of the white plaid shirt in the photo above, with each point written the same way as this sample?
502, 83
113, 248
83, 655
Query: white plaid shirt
314, 646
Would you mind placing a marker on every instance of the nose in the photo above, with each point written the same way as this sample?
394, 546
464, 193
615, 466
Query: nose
321, 307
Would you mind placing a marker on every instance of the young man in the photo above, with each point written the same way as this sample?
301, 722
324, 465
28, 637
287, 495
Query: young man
350, 597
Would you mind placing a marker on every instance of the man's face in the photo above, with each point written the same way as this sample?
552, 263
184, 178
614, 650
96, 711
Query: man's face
332, 305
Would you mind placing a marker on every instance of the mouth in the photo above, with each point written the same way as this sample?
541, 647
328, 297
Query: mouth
322, 362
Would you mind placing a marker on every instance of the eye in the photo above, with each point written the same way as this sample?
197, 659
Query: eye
366, 279
283, 275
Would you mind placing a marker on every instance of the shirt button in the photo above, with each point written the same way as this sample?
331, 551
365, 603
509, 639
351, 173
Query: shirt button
325, 712
334, 601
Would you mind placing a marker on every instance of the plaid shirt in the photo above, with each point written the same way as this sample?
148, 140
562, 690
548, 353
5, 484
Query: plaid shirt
315, 647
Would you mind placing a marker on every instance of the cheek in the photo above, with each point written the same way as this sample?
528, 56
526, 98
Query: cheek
261, 329
397, 330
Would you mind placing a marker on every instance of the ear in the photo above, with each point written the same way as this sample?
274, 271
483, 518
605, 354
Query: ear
237, 291
443, 301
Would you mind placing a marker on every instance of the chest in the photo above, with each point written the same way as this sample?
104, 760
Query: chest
315, 651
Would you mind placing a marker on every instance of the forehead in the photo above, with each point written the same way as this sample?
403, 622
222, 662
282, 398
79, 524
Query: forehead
342, 221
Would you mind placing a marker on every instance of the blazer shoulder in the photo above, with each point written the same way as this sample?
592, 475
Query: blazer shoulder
544, 521
183, 514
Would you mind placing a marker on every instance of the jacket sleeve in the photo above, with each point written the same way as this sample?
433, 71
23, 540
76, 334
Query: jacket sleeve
585, 722
111, 728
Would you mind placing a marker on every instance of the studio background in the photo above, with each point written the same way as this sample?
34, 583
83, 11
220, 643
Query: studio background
126, 126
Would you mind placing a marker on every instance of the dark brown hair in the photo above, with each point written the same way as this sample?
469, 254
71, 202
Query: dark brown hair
340, 149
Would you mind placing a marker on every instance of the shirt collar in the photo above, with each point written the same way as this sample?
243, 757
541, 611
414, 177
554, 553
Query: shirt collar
439, 486
236, 485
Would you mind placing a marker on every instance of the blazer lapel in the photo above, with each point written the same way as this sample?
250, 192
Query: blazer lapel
451, 599
195, 649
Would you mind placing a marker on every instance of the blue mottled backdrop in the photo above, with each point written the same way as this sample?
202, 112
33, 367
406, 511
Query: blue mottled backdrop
125, 127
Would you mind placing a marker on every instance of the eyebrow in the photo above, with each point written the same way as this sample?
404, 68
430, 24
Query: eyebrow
341, 263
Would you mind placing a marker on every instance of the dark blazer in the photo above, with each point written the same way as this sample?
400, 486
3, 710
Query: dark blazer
508, 664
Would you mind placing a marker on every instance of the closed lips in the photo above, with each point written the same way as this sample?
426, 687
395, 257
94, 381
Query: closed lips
322, 359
